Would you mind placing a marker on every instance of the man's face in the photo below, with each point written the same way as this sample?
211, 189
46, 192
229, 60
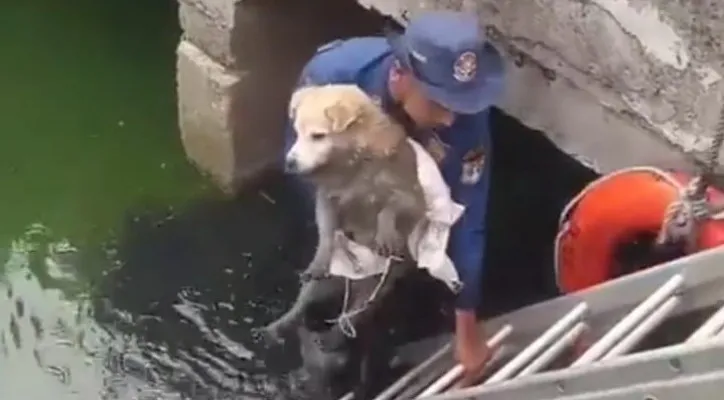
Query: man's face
423, 111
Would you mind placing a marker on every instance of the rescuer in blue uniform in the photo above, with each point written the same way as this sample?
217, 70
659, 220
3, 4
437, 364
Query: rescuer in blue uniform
445, 77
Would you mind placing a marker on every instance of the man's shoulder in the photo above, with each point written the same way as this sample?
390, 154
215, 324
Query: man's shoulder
343, 60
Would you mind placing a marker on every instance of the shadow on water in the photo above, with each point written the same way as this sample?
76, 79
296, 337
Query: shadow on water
195, 282
171, 313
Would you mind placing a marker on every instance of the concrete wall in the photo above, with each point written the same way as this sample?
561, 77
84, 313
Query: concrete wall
632, 79
623, 82
237, 63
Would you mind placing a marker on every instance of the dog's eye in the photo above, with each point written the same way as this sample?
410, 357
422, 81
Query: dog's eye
317, 136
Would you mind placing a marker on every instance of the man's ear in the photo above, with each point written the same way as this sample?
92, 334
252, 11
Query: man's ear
297, 97
341, 115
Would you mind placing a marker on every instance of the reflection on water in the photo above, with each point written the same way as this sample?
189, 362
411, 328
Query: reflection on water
169, 316
51, 346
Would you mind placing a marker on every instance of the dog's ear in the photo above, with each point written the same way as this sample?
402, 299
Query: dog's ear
297, 97
341, 115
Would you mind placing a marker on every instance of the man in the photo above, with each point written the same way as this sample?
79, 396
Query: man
441, 77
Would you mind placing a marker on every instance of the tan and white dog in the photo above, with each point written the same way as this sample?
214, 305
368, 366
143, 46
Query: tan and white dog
362, 167
379, 196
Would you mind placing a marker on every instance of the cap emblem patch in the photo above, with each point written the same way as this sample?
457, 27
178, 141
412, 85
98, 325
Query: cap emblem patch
465, 67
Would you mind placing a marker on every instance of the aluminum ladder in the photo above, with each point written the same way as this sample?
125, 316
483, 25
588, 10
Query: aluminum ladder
605, 370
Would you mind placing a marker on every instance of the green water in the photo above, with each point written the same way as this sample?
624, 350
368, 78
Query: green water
88, 136
88, 127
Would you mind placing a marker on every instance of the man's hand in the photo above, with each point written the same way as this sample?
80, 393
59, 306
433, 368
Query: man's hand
471, 349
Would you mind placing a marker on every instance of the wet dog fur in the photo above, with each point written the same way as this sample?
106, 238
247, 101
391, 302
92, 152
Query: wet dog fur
363, 169
364, 172
365, 175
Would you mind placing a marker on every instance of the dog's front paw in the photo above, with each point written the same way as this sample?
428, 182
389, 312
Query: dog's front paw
387, 242
267, 335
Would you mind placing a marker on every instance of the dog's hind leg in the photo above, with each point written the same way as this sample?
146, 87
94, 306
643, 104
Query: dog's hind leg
375, 350
310, 292
335, 337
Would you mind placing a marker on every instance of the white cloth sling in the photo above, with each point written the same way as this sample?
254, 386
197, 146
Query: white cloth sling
427, 243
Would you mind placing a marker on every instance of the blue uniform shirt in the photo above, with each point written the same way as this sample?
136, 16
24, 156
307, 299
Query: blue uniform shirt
366, 62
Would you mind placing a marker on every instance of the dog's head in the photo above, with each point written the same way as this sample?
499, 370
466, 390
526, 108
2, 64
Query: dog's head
322, 117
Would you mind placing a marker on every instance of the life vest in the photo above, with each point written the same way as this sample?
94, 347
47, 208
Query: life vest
614, 210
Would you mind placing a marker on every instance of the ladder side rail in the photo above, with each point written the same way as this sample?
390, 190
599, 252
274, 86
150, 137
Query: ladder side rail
699, 270
632, 369
703, 386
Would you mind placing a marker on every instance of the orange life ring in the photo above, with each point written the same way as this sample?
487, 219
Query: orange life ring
612, 210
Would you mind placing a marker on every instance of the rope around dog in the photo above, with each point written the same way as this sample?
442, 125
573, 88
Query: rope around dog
344, 320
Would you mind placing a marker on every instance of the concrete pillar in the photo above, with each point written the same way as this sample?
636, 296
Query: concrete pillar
624, 82
237, 63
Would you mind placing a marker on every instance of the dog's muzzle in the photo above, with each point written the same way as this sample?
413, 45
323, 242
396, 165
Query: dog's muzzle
291, 166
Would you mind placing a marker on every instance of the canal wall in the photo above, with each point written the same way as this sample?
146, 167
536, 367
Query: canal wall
622, 82
237, 64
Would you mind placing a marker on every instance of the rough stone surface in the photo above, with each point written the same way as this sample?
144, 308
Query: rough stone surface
208, 24
623, 82
204, 101
626, 69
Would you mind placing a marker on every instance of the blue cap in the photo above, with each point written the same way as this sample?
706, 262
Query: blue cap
451, 58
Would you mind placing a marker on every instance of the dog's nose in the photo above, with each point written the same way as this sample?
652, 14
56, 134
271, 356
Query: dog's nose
291, 165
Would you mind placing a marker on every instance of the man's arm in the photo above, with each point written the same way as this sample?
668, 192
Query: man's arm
467, 242
467, 251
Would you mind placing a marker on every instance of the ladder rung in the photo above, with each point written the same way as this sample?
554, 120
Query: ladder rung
709, 328
627, 323
499, 354
538, 345
555, 350
457, 371
410, 376
640, 332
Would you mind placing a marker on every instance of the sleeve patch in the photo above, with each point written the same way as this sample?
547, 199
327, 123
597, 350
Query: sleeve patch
473, 165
